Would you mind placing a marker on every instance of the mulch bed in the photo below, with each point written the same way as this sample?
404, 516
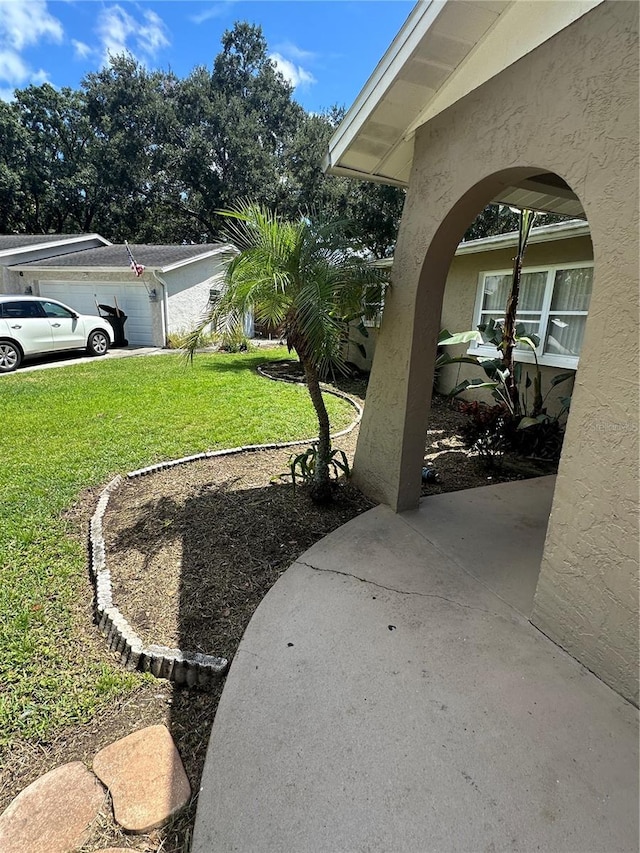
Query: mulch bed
194, 549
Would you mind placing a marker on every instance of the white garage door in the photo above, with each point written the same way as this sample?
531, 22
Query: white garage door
132, 299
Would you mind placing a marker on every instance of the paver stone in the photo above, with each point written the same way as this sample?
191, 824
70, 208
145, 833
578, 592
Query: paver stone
146, 778
54, 813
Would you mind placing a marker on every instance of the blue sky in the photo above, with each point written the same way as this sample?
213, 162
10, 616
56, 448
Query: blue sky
326, 48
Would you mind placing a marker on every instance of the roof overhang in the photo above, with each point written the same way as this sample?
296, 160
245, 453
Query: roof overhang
51, 246
223, 249
445, 50
120, 268
543, 234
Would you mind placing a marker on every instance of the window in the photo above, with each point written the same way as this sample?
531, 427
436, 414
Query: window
553, 305
21, 309
53, 309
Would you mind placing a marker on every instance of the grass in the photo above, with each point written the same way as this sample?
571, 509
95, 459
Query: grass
71, 428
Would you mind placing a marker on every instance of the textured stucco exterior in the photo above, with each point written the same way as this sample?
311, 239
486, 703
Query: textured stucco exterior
571, 108
188, 289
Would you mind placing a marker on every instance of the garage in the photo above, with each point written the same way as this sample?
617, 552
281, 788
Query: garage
163, 297
131, 297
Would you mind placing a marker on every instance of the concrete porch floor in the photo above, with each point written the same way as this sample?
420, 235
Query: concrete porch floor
390, 696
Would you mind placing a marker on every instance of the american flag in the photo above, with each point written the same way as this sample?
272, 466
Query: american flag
136, 267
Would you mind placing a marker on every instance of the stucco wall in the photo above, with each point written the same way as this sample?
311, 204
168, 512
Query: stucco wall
570, 107
354, 355
188, 290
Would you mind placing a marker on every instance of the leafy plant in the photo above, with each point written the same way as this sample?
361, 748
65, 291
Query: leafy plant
520, 402
498, 377
235, 340
303, 465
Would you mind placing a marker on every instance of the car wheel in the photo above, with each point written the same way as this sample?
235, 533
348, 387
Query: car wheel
10, 356
98, 343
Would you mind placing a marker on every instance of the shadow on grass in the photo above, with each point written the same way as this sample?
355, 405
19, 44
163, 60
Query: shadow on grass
231, 363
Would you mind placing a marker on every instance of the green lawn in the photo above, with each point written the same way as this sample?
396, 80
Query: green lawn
65, 429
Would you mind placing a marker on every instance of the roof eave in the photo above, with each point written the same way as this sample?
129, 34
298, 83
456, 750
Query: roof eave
87, 269
222, 248
52, 244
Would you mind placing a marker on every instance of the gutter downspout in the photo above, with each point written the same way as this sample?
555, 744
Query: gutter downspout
164, 314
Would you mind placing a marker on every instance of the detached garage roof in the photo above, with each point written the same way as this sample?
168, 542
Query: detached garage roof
445, 50
115, 257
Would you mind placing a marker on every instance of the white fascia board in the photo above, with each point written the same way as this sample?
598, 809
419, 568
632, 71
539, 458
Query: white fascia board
33, 271
56, 244
227, 247
543, 234
346, 172
398, 53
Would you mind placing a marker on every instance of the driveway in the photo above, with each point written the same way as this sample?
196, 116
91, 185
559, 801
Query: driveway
63, 359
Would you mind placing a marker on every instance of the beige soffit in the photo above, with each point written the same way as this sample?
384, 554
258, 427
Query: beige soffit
445, 50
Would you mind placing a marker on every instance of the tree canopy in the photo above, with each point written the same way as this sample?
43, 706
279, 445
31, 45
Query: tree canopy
147, 156
150, 157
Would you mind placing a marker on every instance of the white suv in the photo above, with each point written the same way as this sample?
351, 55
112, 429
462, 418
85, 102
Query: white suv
31, 325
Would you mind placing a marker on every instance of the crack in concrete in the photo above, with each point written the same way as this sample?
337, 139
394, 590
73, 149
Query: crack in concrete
464, 569
399, 591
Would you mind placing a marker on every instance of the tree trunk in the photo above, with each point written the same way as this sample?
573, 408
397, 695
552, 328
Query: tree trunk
321, 485
510, 334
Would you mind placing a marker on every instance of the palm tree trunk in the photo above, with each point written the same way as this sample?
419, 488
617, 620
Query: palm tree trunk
509, 341
321, 486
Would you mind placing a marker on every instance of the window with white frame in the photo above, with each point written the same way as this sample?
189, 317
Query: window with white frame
553, 304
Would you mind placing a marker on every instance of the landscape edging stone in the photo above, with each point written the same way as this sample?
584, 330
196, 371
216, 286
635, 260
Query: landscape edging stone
163, 662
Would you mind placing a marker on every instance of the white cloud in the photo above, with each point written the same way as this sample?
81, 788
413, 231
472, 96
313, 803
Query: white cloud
294, 52
217, 11
24, 23
152, 34
120, 32
80, 49
292, 73
12, 67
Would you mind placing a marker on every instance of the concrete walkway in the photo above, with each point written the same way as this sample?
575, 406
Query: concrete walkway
390, 697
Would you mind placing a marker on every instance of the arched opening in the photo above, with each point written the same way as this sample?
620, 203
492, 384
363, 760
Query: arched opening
471, 281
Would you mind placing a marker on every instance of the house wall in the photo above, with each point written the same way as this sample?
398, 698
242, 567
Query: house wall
459, 303
353, 354
188, 290
570, 107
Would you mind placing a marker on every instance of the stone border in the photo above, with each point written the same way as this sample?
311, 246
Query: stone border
192, 669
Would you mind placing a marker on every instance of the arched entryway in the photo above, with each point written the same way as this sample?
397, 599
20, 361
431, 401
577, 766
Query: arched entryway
507, 526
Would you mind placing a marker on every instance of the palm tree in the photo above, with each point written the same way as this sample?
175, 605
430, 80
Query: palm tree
305, 278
